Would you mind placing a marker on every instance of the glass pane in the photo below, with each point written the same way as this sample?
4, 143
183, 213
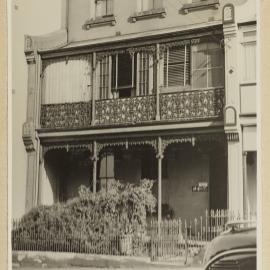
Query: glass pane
249, 68
199, 60
215, 58
147, 4
124, 70
158, 3
109, 7
213, 45
216, 77
199, 79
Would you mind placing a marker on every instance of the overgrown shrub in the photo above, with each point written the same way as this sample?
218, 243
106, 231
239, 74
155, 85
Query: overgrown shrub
120, 210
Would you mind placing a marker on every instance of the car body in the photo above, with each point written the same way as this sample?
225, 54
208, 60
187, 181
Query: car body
236, 248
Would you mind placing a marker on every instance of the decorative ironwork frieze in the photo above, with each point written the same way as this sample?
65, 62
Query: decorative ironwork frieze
192, 105
178, 43
151, 49
126, 110
126, 143
192, 139
66, 115
68, 146
101, 55
166, 141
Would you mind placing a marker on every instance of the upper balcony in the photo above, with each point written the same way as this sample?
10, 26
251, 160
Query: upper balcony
180, 81
196, 105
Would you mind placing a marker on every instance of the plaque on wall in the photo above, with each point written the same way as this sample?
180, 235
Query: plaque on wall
200, 187
228, 13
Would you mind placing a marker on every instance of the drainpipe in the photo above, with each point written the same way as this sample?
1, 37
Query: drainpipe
64, 14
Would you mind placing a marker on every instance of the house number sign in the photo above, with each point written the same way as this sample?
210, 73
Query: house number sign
200, 187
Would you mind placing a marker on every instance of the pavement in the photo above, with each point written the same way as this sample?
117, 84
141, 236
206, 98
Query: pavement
94, 268
28, 260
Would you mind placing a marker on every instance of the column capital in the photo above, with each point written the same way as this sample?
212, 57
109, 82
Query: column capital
94, 158
159, 156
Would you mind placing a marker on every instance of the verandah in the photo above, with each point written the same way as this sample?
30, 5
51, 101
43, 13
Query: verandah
183, 167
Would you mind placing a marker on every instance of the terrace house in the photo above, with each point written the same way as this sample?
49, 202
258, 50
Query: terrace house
156, 89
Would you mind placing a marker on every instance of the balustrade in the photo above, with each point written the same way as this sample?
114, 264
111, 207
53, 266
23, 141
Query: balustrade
126, 110
192, 105
65, 115
196, 105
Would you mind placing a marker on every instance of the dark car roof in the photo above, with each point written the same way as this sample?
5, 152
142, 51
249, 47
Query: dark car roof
233, 239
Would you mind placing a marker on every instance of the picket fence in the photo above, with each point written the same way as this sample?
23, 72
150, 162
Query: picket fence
159, 241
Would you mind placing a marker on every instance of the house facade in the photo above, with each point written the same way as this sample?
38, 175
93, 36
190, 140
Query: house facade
127, 90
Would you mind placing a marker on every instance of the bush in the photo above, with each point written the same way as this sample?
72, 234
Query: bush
119, 211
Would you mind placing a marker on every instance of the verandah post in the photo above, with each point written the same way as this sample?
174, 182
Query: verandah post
94, 86
159, 157
157, 82
94, 160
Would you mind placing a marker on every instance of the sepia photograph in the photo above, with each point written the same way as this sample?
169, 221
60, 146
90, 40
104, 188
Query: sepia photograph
134, 134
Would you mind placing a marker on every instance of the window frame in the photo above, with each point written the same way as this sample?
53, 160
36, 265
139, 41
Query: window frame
207, 68
246, 41
107, 13
186, 83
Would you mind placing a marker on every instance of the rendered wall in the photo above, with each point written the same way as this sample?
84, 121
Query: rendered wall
28, 17
80, 12
185, 169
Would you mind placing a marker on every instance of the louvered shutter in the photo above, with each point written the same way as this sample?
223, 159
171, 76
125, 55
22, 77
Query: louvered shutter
176, 67
104, 77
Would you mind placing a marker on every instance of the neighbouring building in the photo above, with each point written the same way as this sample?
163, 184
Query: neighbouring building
156, 89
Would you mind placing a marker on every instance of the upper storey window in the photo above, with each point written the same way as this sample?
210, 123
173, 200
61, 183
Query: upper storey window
207, 65
177, 66
126, 75
101, 13
104, 8
149, 9
144, 5
248, 46
193, 66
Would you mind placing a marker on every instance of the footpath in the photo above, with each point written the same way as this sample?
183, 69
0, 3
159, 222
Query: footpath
30, 259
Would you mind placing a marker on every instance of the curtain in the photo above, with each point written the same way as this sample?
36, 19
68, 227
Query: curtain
67, 79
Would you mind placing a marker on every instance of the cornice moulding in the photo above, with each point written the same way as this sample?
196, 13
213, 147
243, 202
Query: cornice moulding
50, 41
186, 8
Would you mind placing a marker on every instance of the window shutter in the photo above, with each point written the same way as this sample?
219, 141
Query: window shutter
104, 78
176, 67
151, 74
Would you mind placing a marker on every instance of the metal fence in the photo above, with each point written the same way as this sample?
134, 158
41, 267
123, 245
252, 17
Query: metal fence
160, 240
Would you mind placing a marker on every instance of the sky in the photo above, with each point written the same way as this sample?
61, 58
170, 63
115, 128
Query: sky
31, 17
